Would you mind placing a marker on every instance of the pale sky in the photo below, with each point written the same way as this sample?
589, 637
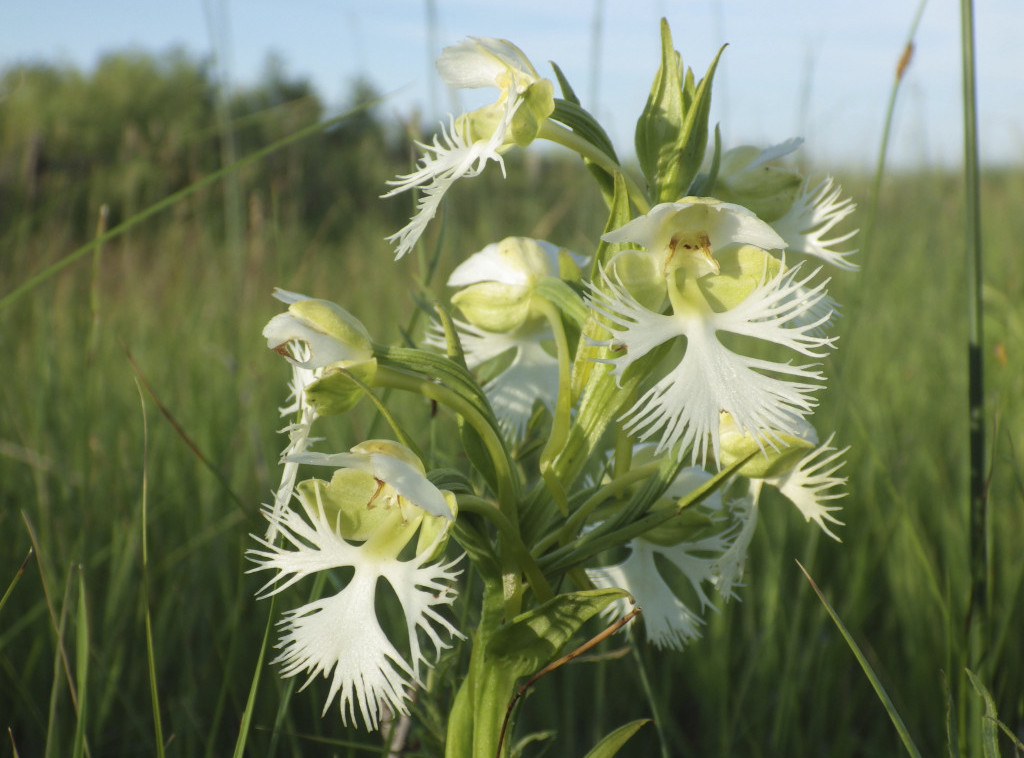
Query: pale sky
819, 69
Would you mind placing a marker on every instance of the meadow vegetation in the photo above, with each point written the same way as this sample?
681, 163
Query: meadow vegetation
136, 381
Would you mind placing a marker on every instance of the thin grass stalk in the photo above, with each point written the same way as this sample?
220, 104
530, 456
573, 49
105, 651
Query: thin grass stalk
81, 745
977, 614
652, 701
216, 12
977, 622
154, 689
883, 148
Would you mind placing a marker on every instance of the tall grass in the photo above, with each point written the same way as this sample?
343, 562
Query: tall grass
771, 676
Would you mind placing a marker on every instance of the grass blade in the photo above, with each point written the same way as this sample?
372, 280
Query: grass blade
81, 668
250, 703
989, 722
17, 575
154, 690
890, 708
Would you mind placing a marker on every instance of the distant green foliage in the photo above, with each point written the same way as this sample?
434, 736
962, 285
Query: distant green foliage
139, 127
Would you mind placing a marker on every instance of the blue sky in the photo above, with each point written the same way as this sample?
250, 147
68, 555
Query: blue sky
816, 68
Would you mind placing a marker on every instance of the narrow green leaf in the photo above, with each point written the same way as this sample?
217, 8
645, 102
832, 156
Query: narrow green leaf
563, 84
658, 127
611, 742
250, 703
81, 668
876, 683
951, 731
990, 721
693, 138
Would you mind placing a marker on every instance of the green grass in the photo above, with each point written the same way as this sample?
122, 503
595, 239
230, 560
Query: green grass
772, 675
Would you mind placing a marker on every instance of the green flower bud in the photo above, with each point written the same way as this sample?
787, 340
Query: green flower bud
745, 178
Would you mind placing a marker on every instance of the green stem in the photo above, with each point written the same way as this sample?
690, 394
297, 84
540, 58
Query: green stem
978, 613
652, 701
563, 409
512, 540
901, 68
560, 135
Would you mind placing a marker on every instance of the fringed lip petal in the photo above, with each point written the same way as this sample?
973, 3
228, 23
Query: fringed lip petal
813, 215
340, 637
684, 407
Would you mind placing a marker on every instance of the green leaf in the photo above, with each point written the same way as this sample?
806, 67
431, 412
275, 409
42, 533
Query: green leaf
693, 138
990, 721
703, 184
585, 125
563, 84
890, 707
611, 742
659, 125
532, 639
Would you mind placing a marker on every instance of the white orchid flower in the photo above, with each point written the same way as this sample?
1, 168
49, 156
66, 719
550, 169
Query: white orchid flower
381, 501
801, 213
497, 287
762, 396
465, 147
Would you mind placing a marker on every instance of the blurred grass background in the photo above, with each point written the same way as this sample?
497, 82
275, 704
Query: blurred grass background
188, 292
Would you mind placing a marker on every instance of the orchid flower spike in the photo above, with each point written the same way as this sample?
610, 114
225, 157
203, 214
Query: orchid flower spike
524, 102
364, 518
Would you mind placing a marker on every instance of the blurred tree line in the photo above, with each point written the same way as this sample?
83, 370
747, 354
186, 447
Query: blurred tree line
140, 127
